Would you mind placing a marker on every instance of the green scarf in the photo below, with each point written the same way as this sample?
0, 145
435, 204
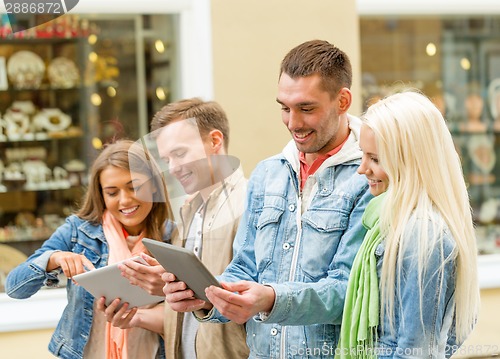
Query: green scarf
358, 333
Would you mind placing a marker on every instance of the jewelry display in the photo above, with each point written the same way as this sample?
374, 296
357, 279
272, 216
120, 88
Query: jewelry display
481, 151
488, 211
494, 100
474, 105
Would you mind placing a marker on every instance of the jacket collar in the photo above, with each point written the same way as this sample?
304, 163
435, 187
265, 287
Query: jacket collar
92, 230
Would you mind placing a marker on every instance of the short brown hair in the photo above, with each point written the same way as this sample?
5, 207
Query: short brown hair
209, 116
319, 57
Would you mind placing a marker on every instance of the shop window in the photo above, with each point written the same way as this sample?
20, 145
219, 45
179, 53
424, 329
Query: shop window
68, 87
455, 60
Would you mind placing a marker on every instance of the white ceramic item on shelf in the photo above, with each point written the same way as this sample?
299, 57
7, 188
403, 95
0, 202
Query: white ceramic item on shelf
37, 174
63, 73
76, 172
52, 120
26, 107
3, 129
60, 177
25, 70
16, 125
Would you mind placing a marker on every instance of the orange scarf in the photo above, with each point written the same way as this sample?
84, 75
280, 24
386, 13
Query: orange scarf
116, 338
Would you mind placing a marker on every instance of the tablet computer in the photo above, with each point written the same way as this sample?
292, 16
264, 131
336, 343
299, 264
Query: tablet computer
108, 282
184, 264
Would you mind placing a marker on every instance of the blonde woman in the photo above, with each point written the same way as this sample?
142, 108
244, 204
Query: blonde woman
413, 290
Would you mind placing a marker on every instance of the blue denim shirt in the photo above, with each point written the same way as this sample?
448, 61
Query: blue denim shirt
306, 257
73, 330
427, 329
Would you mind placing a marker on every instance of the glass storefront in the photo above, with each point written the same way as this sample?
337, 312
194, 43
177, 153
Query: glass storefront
455, 60
68, 87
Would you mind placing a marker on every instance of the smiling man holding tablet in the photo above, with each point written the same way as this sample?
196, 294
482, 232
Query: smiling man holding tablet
191, 138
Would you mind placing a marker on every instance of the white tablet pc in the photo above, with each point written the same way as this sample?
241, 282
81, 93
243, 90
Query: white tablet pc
108, 282
184, 265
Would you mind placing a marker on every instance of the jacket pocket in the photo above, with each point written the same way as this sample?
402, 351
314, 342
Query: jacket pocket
262, 339
268, 225
321, 233
81, 247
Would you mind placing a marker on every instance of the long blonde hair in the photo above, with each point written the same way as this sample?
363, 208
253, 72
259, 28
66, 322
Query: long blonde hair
416, 150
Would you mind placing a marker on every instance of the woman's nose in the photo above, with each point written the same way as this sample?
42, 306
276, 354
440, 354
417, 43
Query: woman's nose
125, 197
362, 169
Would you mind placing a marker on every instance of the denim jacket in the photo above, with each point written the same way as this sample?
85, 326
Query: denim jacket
427, 329
303, 250
73, 330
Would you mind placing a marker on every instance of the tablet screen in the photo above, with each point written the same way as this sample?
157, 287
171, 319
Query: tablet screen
108, 282
184, 265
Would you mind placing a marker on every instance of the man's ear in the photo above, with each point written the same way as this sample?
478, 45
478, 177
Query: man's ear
216, 141
345, 100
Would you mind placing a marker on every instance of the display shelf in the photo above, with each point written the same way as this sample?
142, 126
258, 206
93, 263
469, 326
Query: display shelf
42, 130
47, 186
473, 122
33, 237
40, 41
44, 87
43, 137
109, 101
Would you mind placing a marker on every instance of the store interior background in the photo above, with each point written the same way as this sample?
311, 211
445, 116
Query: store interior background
247, 42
